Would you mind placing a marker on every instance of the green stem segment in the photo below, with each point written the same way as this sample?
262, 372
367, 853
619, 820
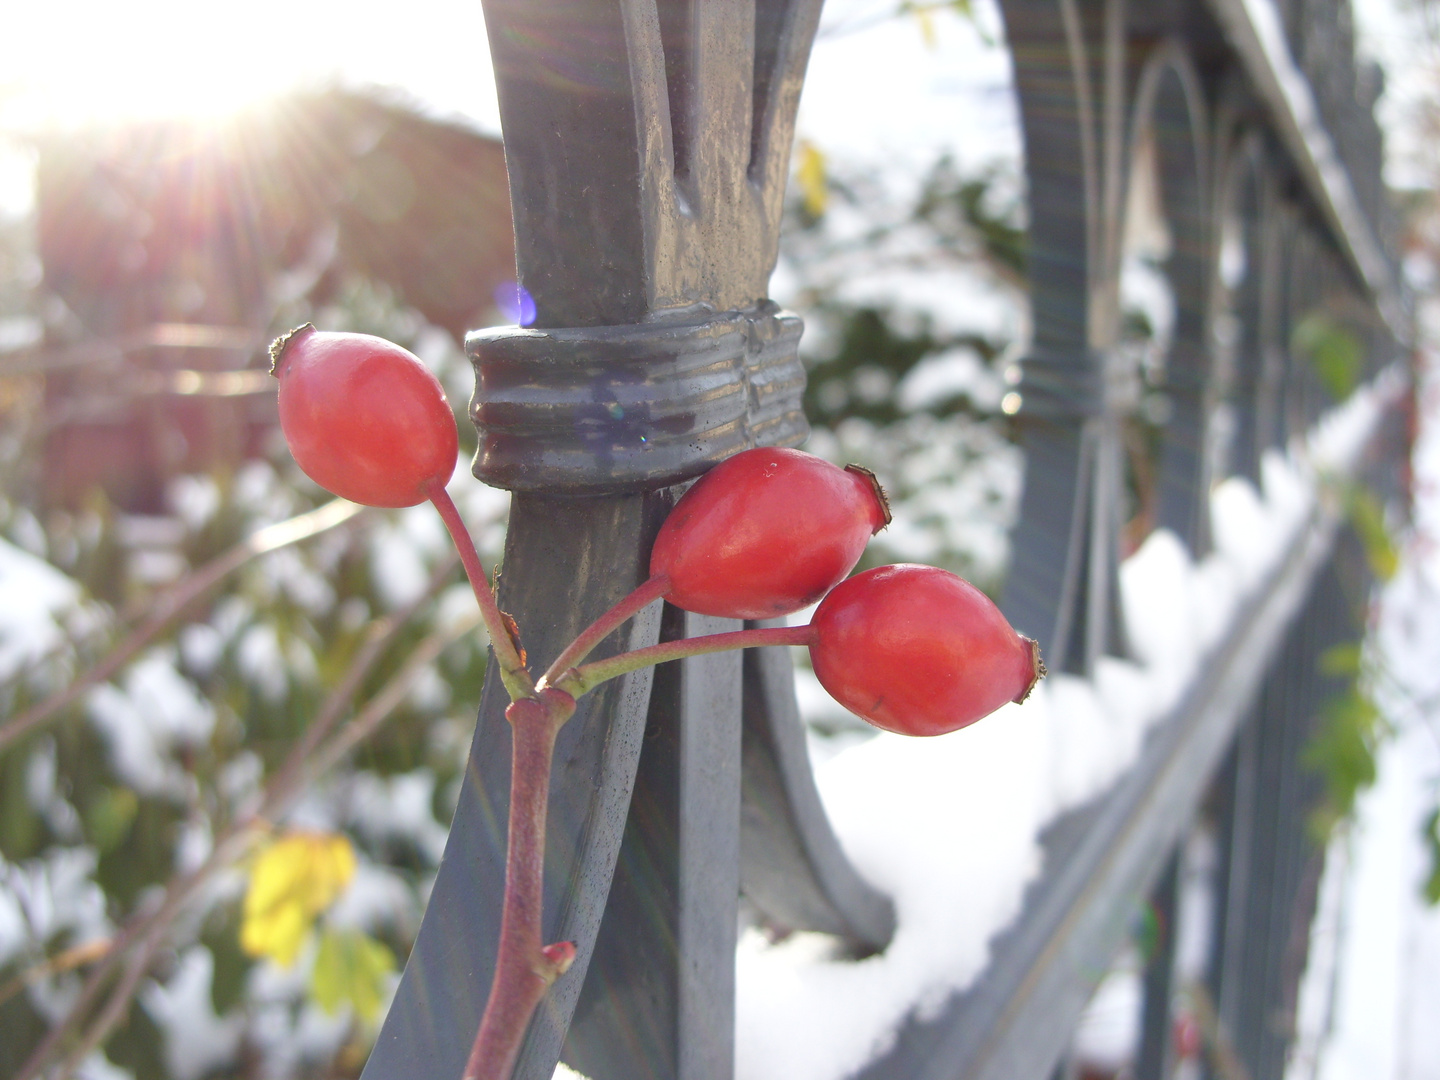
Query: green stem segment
645, 594
508, 654
581, 680
524, 969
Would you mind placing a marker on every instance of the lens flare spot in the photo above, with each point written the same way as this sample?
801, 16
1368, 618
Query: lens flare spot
515, 303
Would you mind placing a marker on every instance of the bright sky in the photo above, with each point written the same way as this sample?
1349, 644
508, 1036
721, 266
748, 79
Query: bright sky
70, 61
878, 87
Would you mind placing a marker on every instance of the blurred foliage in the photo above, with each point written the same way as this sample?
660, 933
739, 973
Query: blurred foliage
1366, 514
1335, 353
1350, 726
964, 208
1348, 733
1430, 834
351, 968
901, 380
810, 175
97, 815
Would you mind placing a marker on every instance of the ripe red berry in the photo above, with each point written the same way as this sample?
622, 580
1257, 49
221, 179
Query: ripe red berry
364, 418
919, 651
766, 532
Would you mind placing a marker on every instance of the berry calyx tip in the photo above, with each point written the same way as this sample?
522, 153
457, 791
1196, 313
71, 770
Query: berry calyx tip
880, 497
279, 345
1037, 667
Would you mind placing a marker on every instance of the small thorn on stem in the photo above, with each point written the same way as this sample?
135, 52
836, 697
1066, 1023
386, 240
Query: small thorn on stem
513, 629
559, 957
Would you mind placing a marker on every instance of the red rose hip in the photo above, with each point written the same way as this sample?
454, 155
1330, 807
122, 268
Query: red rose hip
766, 532
364, 418
919, 651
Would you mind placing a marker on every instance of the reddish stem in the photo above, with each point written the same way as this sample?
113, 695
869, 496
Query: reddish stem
524, 969
507, 651
583, 679
641, 597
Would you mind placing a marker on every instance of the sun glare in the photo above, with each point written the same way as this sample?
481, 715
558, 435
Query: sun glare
79, 62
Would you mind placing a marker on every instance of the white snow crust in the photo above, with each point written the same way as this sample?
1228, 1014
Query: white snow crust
948, 827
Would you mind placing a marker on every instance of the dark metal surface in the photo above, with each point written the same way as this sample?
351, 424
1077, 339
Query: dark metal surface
792, 868
437, 1007
658, 1001
1062, 586
1296, 115
1155, 1055
611, 408
1171, 112
1271, 863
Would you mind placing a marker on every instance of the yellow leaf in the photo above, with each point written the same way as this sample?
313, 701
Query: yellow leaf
291, 882
926, 18
814, 185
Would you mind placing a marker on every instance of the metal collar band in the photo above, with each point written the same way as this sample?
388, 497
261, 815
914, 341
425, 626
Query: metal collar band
624, 408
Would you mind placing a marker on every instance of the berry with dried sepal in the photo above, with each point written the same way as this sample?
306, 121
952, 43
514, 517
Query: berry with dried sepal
766, 532
919, 651
364, 418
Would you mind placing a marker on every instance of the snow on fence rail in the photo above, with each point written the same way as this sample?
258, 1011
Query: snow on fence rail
951, 829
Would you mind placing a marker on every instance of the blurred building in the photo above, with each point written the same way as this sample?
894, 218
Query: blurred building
173, 251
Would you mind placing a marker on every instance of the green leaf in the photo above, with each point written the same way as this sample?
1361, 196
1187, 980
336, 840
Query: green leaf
231, 965
1342, 752
1431, 835
1341, 661
351, 967
1367, 518
21, 830
109, 815
1334, 352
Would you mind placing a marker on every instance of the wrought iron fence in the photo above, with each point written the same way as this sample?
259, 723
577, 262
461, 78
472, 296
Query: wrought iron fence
647, 143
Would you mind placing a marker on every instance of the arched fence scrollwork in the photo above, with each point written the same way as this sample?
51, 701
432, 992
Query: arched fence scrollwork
647, 143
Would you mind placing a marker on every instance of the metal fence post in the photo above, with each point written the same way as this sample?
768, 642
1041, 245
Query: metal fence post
647, 143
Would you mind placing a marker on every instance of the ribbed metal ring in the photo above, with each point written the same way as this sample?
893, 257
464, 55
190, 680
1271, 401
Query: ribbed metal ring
623, 408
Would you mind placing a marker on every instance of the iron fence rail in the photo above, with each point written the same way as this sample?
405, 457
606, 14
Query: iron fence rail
647, 146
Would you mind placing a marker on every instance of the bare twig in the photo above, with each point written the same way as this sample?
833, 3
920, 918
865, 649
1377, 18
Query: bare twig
287, 782
66, 960
174, 600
